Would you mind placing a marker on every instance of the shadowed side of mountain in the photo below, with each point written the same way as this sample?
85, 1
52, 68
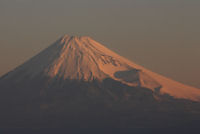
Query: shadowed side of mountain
107, 104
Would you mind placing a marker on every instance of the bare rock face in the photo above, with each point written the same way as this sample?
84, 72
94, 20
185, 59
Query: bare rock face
78, 81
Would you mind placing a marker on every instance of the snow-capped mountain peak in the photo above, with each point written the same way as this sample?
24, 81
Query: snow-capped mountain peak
82, 58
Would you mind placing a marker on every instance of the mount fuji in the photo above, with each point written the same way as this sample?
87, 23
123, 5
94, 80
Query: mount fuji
78, 83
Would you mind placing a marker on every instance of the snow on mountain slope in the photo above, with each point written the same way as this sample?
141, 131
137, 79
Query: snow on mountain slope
82, 58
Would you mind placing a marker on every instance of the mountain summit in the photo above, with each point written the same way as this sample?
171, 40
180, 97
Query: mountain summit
82, 58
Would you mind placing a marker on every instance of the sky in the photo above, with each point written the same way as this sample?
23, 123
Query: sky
161, 35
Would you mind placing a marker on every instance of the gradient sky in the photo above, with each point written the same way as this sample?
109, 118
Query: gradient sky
162, 35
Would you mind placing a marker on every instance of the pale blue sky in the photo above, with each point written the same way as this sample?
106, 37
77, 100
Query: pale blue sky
162, 35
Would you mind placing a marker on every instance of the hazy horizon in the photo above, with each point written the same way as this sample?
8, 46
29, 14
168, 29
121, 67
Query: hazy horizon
163, 36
